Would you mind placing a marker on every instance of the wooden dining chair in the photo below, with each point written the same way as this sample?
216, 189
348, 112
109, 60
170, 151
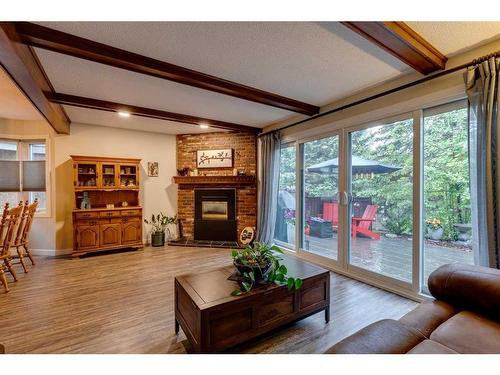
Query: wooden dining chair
21, 239
8, 226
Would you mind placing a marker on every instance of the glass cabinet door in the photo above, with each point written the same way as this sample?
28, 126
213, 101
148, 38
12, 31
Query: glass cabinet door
129, 176
86, 175
108, 172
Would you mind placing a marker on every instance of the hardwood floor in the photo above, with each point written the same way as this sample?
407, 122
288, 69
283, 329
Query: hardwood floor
123, 303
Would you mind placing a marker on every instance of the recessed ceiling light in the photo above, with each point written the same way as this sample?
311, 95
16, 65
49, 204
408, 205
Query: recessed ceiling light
123, 114
204, 126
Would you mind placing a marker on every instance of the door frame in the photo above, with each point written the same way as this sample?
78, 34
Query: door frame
299, 197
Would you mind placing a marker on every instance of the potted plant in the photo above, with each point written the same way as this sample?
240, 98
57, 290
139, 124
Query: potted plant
261, 264
159, 224
434, 228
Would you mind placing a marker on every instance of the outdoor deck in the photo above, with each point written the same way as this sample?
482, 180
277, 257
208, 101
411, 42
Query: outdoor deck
390, 256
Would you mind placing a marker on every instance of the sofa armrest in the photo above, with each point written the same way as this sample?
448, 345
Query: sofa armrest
468, 287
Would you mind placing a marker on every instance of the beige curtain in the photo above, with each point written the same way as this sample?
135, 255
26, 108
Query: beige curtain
482, 84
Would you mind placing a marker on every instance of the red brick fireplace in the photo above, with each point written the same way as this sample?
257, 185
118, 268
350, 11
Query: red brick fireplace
244, 151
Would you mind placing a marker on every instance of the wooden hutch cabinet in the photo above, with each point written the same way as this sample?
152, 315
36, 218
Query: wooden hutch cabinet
114, 220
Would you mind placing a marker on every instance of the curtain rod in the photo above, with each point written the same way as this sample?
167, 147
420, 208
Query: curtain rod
388, 92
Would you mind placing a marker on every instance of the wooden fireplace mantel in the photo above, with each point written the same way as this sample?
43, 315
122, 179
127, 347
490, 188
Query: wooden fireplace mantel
215, 180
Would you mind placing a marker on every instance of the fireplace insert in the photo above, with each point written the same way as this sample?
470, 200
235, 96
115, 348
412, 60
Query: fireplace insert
215, 215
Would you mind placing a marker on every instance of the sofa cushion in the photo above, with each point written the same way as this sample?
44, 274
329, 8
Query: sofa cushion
428, 316
468, 287
383, 337
469, 333
431, 347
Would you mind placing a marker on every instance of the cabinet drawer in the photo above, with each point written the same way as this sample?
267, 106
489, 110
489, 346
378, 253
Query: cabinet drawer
87, 222
129, 219
86, 215
109, 213
131, 212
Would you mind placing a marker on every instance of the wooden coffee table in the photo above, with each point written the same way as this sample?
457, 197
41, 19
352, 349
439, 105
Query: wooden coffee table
213, 320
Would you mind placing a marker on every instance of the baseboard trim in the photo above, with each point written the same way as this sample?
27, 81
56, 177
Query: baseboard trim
51, 252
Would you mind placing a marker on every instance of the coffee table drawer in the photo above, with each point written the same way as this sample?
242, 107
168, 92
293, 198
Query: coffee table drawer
313, 294
227, 329
279, 306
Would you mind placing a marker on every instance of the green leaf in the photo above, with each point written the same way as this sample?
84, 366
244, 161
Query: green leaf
246, 286
252, 276
290, 283
277, 249
234, 253
236, 292
280, 277
298, 283
282, 269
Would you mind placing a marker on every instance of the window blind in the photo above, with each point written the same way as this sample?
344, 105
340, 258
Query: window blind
33, 175
9, 176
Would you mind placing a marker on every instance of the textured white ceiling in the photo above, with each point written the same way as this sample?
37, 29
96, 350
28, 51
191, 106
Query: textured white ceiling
74, 76
315, 62
13, 104
312, 62
93, 117
454, 37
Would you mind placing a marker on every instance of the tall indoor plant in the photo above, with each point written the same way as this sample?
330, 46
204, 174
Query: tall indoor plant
159, 224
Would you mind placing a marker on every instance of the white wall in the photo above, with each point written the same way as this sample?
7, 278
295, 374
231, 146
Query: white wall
157, 193
42, 231
53, 235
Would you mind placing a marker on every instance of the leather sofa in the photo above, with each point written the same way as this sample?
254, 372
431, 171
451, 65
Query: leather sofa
463, 318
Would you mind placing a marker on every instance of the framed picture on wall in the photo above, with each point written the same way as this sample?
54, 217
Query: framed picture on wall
153, 169
214, 158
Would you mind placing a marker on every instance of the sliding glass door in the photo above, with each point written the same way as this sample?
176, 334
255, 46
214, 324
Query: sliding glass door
320, 186
447, 211
387, 201
381, 199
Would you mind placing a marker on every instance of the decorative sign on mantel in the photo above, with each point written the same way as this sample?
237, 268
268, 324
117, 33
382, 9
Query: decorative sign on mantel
214, 158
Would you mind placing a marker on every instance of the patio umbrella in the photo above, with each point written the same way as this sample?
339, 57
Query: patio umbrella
360, 166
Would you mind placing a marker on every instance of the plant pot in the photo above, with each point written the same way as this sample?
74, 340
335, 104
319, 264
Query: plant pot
435, 234
158, 239
258, 272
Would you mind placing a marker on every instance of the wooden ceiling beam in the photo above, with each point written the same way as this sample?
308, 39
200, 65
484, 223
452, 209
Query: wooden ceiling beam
104, 105
57, 41
401, 41
21, 64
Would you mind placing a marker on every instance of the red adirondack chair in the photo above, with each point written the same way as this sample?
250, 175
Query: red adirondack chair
362, 224
331, 213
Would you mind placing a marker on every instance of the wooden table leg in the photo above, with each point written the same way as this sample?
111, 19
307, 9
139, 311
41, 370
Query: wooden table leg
176, 327
327, 315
